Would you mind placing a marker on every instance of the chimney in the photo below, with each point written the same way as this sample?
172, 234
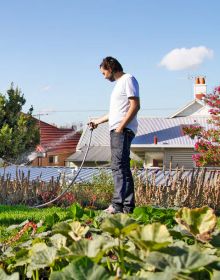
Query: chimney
155, 139
199, 87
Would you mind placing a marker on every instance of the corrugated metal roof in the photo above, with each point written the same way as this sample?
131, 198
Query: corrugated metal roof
168, 131
95, 154
100, 136
48, 173
159, 176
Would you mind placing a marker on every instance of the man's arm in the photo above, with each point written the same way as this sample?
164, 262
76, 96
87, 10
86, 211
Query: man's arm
132, 111
95, 122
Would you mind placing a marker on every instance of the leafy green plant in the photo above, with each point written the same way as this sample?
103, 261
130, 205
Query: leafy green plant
76, 211
119, 226
82, 268
150, 214
151, 237
97, 193
200, 222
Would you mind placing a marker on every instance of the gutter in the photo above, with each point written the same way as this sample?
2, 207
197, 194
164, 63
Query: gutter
176, 146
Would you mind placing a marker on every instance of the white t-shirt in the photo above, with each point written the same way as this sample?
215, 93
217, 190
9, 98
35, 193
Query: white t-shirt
126, 86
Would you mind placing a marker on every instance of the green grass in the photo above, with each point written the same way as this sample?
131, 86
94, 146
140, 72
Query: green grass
13, 215
10, 215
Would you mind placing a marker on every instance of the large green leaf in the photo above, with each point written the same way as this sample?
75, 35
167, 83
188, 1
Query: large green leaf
62, 227
200, 222
74, 229
100, 245
79, 248
94, 249
81, 269
58, 240
119, 224
41, 256
22, 257
77, 230
4, 276
151, 237
188, 261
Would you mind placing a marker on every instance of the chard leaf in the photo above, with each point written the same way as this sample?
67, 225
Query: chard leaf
200, 222
89, 212
52, 220
76, 211
141, 214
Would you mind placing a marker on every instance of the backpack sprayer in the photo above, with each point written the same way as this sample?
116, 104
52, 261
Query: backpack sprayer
74, 178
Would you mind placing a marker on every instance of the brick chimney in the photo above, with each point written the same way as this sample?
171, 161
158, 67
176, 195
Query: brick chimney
199, 87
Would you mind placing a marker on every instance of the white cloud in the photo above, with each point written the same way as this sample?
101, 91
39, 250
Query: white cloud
180, 59
46, 88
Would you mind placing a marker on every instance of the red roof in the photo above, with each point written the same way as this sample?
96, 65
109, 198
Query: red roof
57, 139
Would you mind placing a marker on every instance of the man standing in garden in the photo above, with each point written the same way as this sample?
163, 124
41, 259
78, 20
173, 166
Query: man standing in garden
122, 117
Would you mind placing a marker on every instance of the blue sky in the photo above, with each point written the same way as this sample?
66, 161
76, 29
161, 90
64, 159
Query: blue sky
52, 49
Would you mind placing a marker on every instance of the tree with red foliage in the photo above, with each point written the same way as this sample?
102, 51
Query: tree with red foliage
208, 143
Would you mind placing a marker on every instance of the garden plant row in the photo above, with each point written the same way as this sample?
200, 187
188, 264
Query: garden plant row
80, 243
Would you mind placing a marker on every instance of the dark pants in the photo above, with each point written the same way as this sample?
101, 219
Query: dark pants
123, 197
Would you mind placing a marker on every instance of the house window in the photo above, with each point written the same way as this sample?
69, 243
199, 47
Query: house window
157, 163
53, 159
154, 159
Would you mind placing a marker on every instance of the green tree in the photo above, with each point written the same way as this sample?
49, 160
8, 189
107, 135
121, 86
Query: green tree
19, 132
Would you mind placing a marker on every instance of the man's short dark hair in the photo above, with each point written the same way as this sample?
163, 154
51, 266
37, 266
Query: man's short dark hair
111, 63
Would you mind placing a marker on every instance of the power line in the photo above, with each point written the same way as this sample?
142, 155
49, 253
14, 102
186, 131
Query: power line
96, 110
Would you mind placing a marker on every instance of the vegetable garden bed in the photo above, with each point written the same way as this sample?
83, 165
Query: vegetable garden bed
80, 243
